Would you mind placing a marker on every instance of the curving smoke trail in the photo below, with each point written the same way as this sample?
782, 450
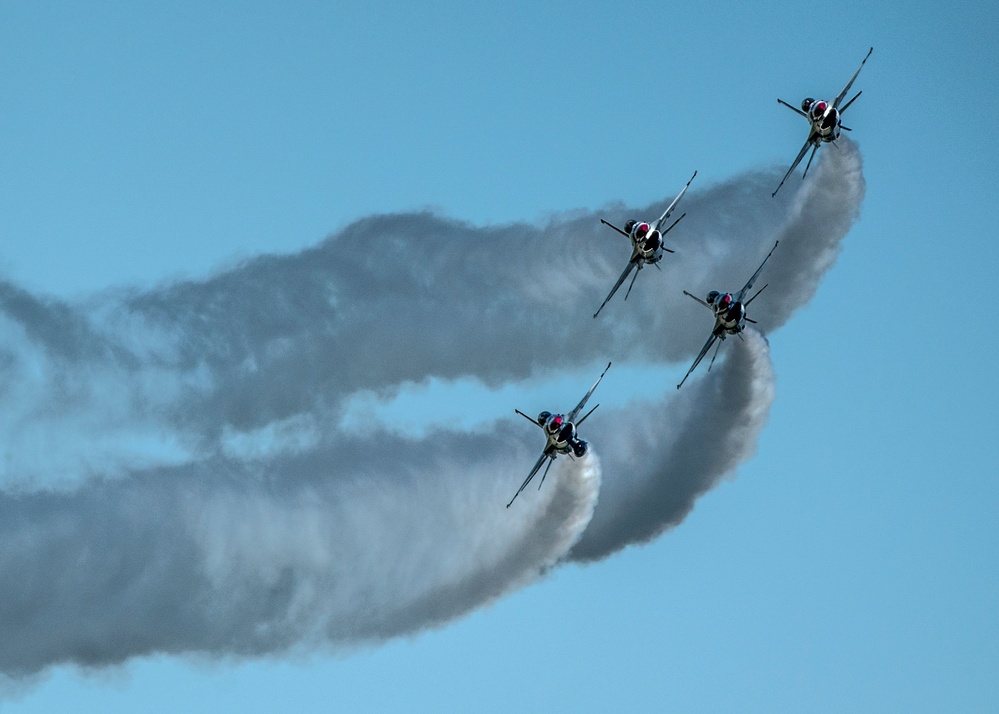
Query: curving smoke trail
175, 478
354, 541
664, 455
176, 373
348, 543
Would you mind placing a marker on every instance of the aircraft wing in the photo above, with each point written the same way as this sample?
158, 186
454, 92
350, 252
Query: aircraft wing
571, 416
666, 214
839, 97
748, 286
546, 456
631, 266
797, 160
700, 356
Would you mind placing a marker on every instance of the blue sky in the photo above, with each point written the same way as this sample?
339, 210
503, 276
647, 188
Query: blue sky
850, 565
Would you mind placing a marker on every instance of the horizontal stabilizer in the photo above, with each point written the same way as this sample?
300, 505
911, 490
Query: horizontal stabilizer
847, 105
694, 297
673, 225
529, 419
606, 223
586, 415
792, 108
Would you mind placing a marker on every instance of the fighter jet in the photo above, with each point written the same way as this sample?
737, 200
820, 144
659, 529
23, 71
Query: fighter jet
560, 433
824, 119
646, 244
730, 314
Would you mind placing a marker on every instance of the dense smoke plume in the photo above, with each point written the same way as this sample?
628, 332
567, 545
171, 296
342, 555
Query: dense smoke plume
176, 476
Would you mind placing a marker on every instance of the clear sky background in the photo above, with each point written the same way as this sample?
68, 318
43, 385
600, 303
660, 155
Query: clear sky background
849, 566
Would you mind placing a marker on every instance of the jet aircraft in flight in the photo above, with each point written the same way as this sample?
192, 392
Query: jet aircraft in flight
730, 314
824, 120
560, 433
646, 244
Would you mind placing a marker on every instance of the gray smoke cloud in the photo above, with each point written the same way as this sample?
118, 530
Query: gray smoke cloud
663, 455
177, 373
175, 474
348, 543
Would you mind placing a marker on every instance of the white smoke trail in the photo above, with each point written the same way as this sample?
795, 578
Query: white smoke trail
664, 455
190, 367
676, 450
354, 542
209, 503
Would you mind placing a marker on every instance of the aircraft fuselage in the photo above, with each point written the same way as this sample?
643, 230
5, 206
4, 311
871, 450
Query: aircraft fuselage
561, 434
647, 242
730, 314
824, 118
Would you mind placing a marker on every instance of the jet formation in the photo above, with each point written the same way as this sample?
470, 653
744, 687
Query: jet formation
729, 309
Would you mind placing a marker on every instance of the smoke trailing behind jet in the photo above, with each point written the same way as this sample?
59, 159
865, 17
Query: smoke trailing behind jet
176, 477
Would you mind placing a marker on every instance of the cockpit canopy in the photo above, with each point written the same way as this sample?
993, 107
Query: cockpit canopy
712, 296
806, 104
